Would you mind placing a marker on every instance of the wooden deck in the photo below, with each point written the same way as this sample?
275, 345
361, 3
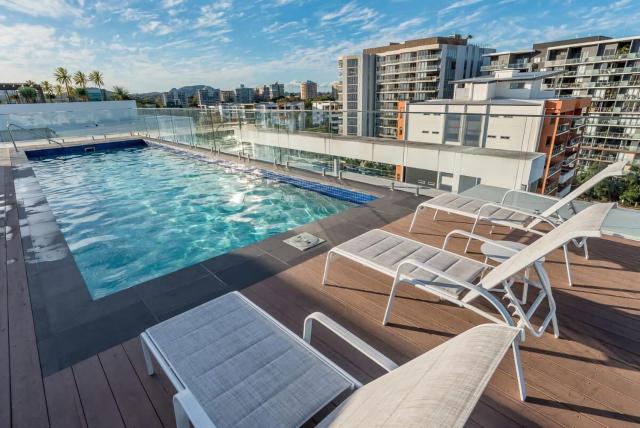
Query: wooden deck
588, 377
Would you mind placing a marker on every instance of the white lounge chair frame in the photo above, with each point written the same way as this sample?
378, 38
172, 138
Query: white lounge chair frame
549, 216
188, 410
500, 278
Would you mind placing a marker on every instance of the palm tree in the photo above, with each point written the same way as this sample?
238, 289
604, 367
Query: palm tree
30, 83
98, 79
120, 93
80, 78
64, 78
58, 90
47, 89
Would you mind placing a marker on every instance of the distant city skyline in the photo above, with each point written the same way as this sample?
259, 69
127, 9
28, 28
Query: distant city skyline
156, 45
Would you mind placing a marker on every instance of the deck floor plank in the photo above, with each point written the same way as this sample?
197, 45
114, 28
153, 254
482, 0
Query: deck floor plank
132, 400
63, 401
28, 404
98, 402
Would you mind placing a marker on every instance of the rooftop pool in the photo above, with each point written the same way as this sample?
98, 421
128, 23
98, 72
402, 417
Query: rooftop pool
132, 214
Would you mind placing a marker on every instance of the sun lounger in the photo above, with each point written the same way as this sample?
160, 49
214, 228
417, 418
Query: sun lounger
234, 365
520, 218
456, 278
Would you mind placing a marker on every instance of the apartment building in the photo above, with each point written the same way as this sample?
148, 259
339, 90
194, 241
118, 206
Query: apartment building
277, 90
606, 70
501, 116
308, 90
355, 91
244, 95
416, 70
227, 96
528, 59
208, 96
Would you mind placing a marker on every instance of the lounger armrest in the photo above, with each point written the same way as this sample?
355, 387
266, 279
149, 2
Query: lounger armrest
476, 237
538, 218
348, 337
186, 402
472, 288
529, 194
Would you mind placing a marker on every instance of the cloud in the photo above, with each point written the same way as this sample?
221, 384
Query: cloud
459, 4
155, 27
134, 15
276, 26
350, 13
214, 14
167, 4
43, 8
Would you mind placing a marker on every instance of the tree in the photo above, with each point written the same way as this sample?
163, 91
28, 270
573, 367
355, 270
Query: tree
47, 89
80, 79
624, 189
28, 93
120, 93
57, 89
30, 83
98, 79
82, 93
64, 78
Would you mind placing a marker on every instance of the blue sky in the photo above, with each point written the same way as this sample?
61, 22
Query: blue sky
155, 45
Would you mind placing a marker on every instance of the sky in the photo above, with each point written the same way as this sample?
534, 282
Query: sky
156, 45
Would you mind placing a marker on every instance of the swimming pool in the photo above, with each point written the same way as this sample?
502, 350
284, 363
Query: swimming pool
133, 214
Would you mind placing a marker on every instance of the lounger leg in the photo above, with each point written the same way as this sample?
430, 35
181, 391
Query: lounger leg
525, 286
182, 420
554, 324
325, 275
519, 373
147, 357
473, 229
586, 249
566, 261
415, 216
434, 215
392, 295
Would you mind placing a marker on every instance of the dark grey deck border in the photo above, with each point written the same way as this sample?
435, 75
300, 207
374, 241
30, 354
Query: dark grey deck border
70, 326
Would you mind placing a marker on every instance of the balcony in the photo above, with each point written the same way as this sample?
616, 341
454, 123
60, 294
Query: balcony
566, 176
602, 58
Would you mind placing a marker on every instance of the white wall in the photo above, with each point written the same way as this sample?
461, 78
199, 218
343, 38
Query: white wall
503, 126
506, 171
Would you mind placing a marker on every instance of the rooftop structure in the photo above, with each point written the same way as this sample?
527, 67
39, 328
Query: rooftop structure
505, 111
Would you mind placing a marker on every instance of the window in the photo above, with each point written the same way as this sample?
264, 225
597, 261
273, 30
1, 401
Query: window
473, 130
516, 85
467, 182
452, 127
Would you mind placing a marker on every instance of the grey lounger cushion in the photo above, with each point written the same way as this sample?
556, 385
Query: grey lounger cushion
437, 389
244, 369
387, 251
469, 207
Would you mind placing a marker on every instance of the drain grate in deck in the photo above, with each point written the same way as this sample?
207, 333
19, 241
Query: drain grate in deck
304, 241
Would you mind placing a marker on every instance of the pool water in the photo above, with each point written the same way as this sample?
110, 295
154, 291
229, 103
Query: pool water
134, 214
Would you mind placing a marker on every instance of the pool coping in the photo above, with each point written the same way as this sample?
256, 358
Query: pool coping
70, 326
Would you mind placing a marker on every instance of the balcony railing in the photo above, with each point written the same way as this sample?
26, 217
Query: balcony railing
615, 57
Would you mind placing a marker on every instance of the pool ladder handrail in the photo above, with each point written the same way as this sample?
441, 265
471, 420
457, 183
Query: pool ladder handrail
49, 139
